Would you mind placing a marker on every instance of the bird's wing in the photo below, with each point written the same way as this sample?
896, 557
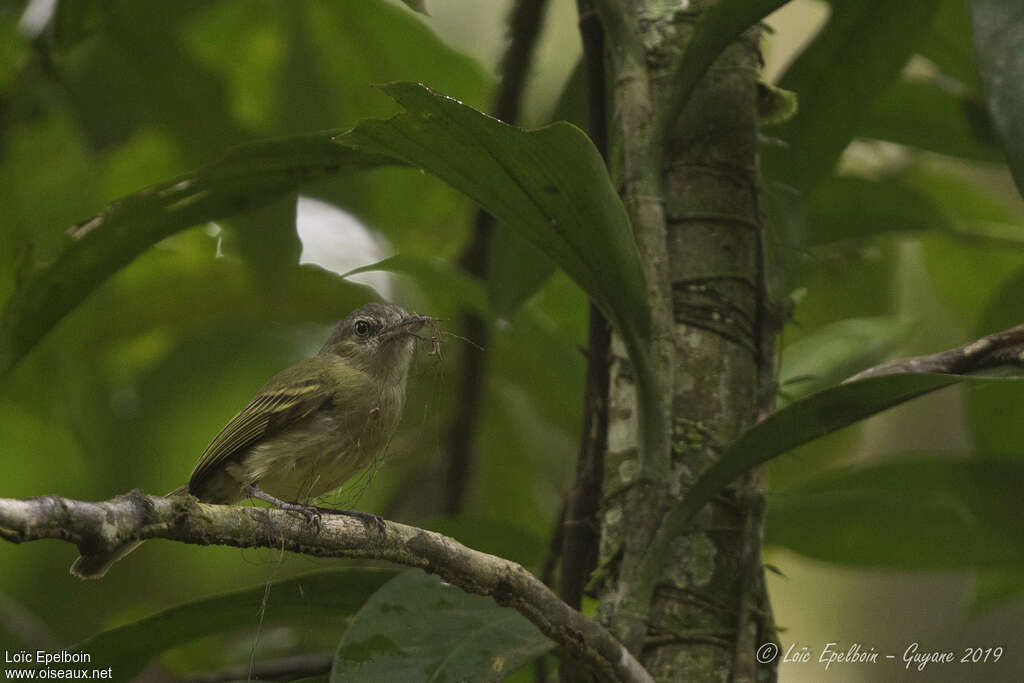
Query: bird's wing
271, 411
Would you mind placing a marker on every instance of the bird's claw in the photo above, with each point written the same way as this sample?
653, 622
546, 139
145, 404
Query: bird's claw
313, 516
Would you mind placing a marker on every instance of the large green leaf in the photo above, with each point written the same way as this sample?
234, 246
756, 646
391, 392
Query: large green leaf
359, 44
246, 177
930, 117
838, 77
803, 421
516, 269
998, 34
926, 513
549, 184
335, 594
247, 67
418, 628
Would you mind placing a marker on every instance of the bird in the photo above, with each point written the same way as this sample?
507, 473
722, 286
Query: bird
310, 428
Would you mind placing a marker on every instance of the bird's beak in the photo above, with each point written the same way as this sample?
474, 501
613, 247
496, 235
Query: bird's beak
408, 325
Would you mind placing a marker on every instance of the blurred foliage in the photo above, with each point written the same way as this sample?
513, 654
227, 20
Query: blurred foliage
418, 627
893, 214
328, 598
918, 512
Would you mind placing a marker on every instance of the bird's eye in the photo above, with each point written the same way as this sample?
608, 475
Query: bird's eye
362, 328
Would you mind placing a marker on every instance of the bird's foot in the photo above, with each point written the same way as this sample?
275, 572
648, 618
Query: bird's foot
314, 514
310, 512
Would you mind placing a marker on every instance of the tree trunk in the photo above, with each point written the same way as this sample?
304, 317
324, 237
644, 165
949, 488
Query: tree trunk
694, 203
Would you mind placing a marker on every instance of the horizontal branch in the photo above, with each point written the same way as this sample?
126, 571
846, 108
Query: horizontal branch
102, 526
994, 350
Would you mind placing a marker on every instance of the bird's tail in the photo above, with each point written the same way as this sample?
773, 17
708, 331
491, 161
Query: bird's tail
96, 566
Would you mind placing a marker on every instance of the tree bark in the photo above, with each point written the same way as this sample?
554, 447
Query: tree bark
694, 202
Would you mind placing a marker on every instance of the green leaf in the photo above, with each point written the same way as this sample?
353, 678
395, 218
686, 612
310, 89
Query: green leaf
516, 269
418, 628
720, 25
549, 184
334, 594
247, 177
948, 45
850, 207
838, 77
923, 513
838, 350
805, 420
929, 117
998, 34
996, 414
860, 51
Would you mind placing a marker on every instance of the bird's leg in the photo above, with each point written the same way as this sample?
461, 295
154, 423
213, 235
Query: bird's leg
311, 512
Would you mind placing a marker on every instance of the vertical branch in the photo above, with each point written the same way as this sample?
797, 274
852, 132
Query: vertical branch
463, 428
524, 28
693, 198
581, 530
638, 458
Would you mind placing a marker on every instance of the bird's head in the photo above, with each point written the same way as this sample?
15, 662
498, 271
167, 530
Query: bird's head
377, 338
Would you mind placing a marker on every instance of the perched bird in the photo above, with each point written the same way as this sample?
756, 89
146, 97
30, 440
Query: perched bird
311, 427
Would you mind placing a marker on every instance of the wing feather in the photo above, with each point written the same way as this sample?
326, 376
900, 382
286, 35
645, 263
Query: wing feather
268, 413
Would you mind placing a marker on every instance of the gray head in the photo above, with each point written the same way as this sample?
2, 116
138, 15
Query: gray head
377, 337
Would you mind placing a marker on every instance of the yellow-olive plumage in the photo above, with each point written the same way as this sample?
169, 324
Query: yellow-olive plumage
312, 426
